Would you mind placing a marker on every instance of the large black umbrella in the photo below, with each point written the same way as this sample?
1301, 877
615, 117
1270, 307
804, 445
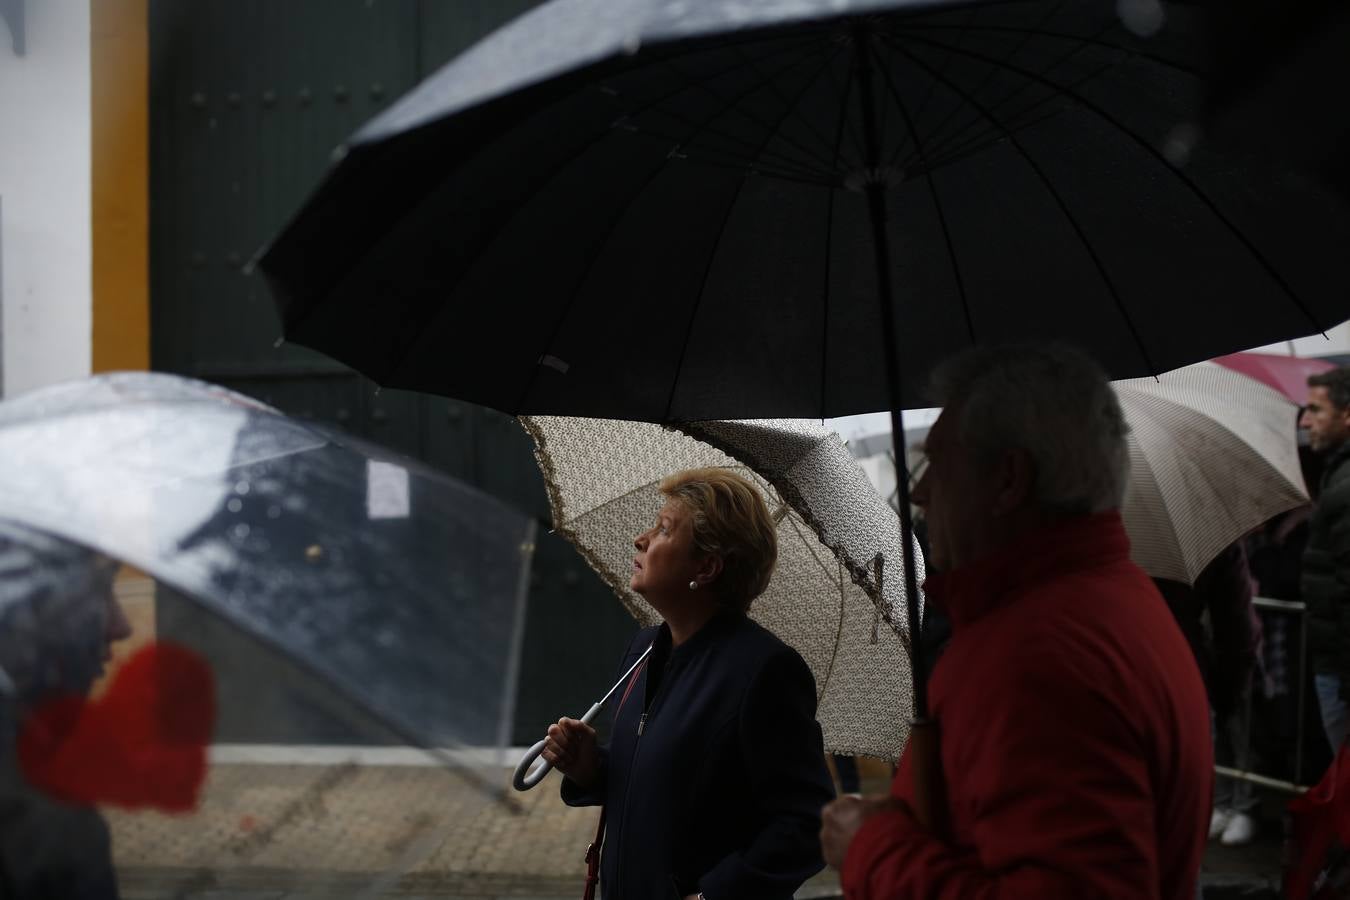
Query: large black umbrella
658, 210
1279, 68
673, 210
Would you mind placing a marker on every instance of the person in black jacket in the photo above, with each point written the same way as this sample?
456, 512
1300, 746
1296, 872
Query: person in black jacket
715, 774
58, 620
1325, 581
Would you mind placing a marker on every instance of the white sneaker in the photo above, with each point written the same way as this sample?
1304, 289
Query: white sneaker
1241, 829
1218, 821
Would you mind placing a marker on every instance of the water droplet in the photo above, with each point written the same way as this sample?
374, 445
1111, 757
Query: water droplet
1180, 143
234, 505
241, 488
1143, 17
274, 512
278, 342
241, 531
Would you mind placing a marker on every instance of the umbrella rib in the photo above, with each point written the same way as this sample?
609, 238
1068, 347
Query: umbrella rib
988, 76
739, 167
788, 162
1097, 41
829, 242
603, 241
851, 127
571, 521
957, 137
712, 255
838, 634
764, 81
422, 333
1059, 202
810, 125
813, 542
1162, 160
952, 154
928, 97
825, 298
1153, 478
937, 205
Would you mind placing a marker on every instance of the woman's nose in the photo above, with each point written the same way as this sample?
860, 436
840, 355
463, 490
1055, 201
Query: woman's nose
640, 540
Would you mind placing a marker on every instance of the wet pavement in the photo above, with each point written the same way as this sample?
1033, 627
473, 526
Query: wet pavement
304, 832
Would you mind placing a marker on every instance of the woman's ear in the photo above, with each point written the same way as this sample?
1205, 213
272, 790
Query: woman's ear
709, 568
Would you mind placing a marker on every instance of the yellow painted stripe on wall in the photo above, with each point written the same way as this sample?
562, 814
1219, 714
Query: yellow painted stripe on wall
119, 68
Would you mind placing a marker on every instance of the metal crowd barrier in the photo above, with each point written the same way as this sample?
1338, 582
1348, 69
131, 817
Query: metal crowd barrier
1298, 609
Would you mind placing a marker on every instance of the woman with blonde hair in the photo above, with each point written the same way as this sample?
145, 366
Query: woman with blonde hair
714, 775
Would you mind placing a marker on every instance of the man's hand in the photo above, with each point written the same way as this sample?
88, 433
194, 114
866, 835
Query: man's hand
841, 819
570, 746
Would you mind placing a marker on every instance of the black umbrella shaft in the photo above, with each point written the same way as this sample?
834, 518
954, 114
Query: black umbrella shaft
876, 210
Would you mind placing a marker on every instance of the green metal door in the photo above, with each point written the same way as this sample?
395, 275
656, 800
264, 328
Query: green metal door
248, 98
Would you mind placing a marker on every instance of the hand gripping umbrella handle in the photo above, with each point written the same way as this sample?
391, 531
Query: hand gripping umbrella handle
524, 779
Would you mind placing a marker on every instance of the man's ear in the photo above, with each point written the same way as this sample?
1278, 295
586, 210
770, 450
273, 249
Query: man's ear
1015, 475
709, 568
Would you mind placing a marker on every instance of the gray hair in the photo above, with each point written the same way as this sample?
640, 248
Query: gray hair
1051, 401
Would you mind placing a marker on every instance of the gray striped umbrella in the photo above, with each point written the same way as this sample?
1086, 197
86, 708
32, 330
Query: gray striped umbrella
823, 599
1213, 454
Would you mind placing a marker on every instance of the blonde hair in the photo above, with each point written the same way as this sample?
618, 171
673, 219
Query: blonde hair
732, 523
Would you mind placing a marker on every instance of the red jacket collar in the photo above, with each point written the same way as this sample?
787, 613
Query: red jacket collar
1083, 542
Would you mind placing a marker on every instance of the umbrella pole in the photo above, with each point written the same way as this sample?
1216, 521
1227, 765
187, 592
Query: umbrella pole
929, 798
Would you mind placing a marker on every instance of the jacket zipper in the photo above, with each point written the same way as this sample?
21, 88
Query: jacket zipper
632, 764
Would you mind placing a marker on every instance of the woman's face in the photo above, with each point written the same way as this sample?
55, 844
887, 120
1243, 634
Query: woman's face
666, 559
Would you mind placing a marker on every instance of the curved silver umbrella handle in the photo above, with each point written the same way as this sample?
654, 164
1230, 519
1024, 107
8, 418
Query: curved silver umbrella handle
523, 779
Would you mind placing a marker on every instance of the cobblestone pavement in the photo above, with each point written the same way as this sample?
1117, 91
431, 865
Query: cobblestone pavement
304, 832
267, 832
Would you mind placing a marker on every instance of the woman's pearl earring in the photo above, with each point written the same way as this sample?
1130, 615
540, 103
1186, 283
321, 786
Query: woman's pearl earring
693, 585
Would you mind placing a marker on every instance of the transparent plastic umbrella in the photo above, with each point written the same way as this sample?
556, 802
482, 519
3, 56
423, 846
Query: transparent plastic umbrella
400, 589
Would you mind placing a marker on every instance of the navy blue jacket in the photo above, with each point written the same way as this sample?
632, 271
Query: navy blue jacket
721, 790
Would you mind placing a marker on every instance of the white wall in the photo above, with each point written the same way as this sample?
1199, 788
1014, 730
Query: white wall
45, 232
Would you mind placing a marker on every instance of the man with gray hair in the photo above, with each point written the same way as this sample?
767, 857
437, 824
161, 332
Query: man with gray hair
1075, 745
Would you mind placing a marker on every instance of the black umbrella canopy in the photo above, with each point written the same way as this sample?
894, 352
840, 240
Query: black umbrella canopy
1279, 67
656, 210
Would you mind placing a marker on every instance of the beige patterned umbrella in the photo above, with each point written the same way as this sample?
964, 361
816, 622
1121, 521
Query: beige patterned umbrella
1213, 454
602, 478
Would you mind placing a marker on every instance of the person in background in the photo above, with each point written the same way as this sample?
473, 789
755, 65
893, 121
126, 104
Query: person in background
1227, 655
1325, 577
1275, 558
58, 620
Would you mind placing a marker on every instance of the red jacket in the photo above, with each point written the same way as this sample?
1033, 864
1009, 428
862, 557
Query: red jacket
1074, 730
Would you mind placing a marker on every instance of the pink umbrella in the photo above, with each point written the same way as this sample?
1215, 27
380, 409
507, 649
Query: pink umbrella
1286, 374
